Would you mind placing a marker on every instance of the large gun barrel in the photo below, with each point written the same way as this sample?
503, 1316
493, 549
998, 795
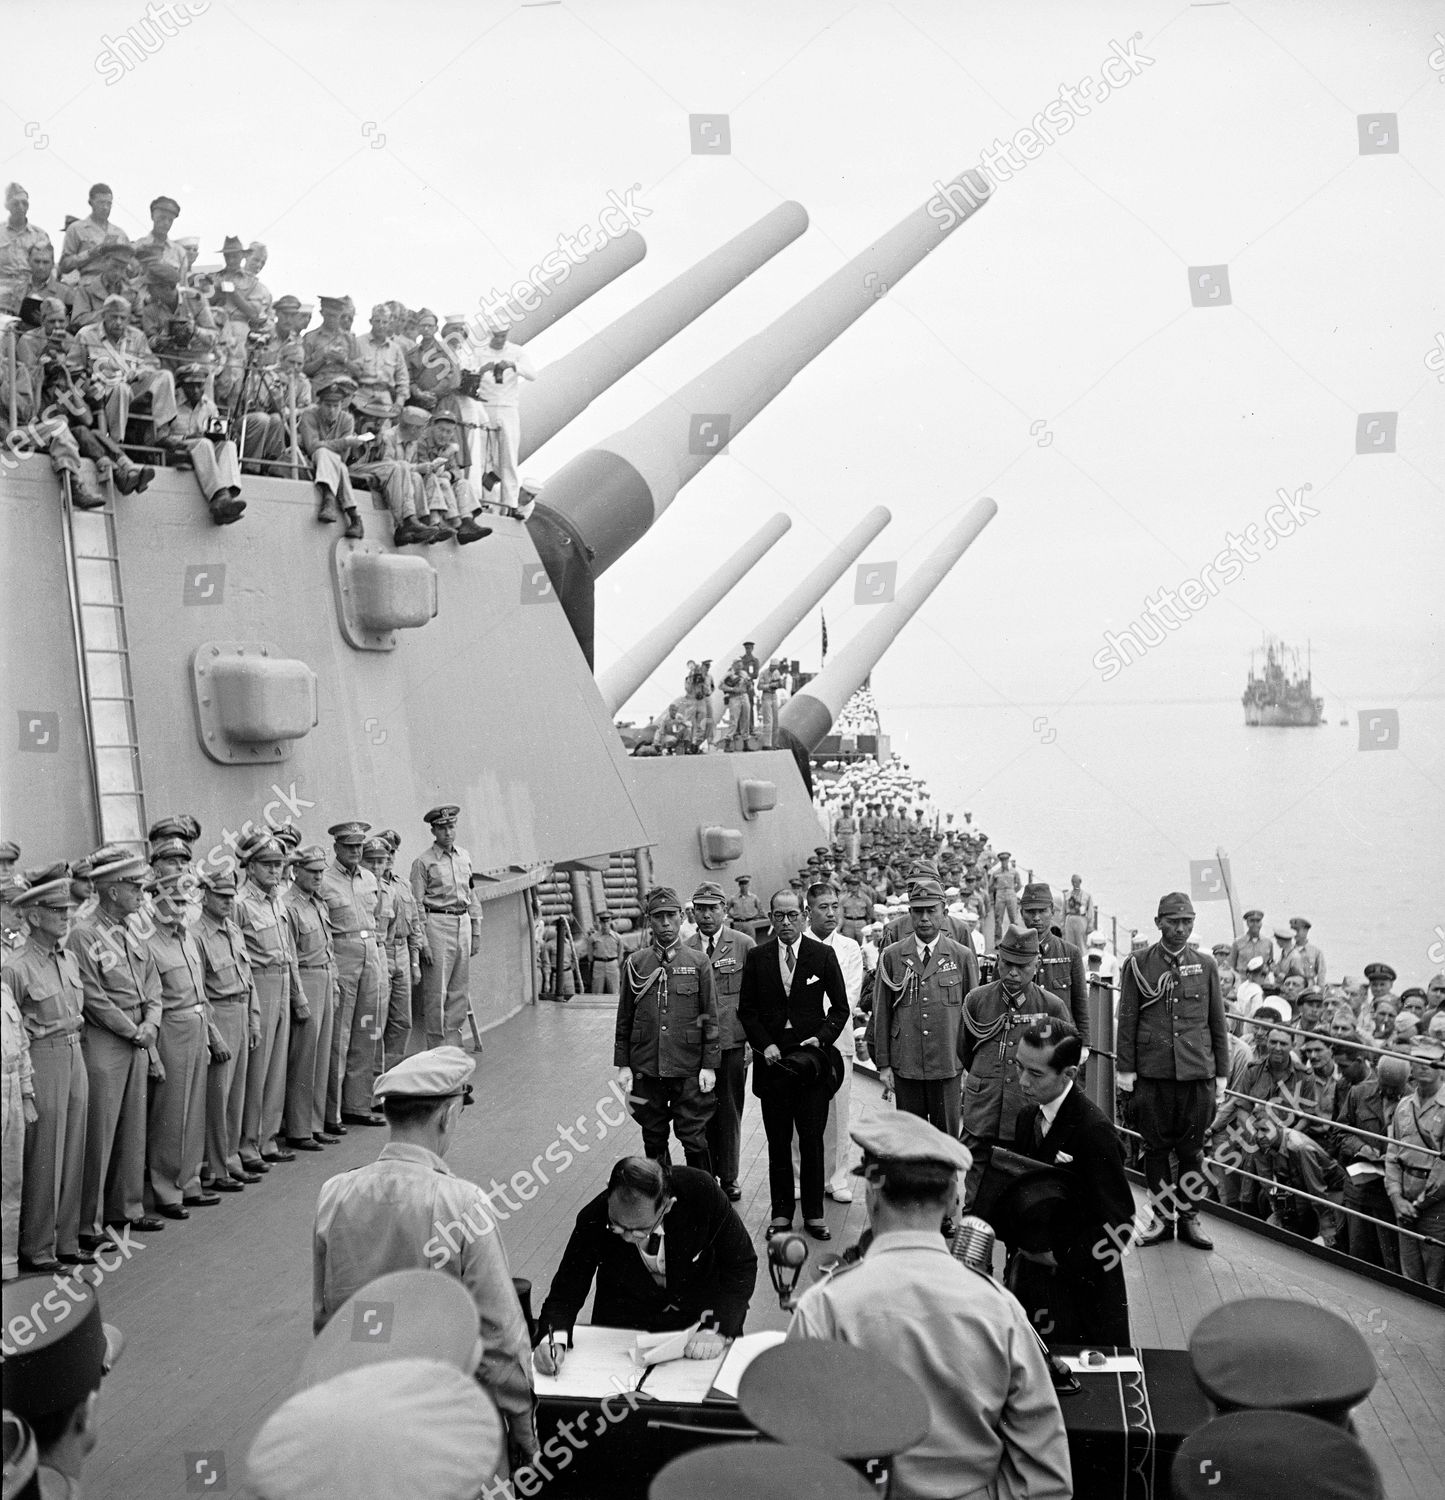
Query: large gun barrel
585, 278
775, 627
568, 386
621, 680
808, 715
605, 499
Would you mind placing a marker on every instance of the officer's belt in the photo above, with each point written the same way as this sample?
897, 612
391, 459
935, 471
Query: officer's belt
227, 999
182, 1010
360, 934
449, 911
309, 967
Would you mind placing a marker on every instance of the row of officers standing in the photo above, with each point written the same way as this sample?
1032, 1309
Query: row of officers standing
175, 1028
998, 1065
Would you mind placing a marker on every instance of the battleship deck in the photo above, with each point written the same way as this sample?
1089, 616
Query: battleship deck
217, 1311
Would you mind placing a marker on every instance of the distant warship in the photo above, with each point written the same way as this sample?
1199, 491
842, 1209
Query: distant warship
1280, 694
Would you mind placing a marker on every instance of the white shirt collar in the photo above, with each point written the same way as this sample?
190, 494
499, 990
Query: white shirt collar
1048, 1113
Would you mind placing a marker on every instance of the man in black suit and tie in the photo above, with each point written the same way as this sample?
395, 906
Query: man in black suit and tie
787, 981
665, 1249
1081, 1298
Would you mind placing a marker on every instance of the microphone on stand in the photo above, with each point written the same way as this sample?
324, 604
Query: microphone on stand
787, 1254
973, 1242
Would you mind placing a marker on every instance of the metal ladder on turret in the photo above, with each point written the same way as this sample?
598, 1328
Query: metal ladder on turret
102, 654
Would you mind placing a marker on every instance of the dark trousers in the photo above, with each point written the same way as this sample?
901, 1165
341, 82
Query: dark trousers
935, 1099
1071, 1309
658, 1103
1381, 1247
1173, 1118
789, 1105
725, 1128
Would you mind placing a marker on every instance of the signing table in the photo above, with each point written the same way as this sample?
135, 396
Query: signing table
607, 1425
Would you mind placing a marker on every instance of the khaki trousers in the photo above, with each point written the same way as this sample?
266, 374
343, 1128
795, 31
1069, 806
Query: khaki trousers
55, 1149
445, 981
308, 1057
226, 1090
266, 1070
176, 1126
113, 1185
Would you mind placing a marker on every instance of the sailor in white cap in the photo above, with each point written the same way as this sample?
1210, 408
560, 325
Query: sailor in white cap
407, 1210
996, 1425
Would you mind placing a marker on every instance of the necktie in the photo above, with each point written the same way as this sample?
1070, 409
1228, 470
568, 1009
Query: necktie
923, 956
1039, 1129
710, 943
788, 959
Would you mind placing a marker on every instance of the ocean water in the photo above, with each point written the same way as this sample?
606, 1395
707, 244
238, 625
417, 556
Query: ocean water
1130, 797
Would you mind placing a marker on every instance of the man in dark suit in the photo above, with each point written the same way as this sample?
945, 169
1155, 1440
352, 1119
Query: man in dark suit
1081, 1298
665, 1248
787, 981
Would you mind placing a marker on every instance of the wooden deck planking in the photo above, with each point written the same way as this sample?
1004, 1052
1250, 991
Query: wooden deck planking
216, 1311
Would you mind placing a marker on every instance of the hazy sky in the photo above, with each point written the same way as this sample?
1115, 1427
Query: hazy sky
1047, 354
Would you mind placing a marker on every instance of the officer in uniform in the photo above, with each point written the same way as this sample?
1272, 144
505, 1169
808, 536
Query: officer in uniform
441, 881
234, 1031
53, 1378
1061, 964
44, 978
1252, 945
856, 909
122, 990
406, 976
745, 911
394, 935
665, 1046
1173, 1054
770, 683
350, 892
726, 948
604, 948
309, 1054
995, 1423
176, 1126
995, 1016
918, 996
408, 1210
261, 916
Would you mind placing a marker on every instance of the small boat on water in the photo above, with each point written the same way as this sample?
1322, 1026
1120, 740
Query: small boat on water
1281, 694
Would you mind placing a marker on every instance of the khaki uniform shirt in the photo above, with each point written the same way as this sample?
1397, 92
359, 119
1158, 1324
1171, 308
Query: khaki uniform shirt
996, 1428
408, 1210
442, 882
47, 989
118, 975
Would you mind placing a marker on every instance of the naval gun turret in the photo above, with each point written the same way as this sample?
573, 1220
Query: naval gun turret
809, 714
604, 500
568, 386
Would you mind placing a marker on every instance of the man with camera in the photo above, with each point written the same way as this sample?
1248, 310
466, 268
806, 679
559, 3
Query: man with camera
203, 433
